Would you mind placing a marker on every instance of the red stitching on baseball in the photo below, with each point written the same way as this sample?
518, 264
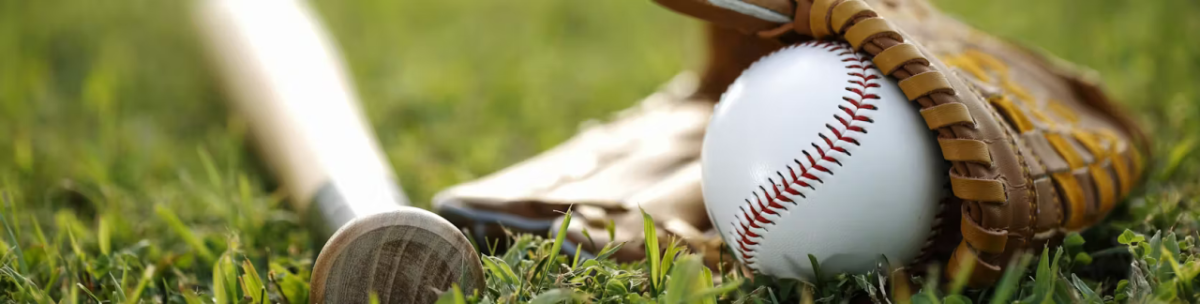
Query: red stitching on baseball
751, 213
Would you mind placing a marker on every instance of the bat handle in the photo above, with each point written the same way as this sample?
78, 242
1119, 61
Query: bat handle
287, 80
330, 207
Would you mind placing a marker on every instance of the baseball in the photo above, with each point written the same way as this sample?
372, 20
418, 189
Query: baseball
814, 151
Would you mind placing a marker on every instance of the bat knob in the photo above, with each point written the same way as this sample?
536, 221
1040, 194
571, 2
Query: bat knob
404, 256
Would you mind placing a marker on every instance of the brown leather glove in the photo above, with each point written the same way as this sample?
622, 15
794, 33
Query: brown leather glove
1036, 148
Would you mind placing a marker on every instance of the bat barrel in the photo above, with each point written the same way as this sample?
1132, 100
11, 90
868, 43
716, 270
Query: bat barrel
404, 256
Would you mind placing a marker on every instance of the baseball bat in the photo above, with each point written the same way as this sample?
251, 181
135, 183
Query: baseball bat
285, 77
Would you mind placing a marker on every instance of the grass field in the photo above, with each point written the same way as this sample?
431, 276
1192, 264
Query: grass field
124, 178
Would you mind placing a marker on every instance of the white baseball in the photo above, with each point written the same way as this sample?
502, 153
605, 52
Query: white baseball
813, 151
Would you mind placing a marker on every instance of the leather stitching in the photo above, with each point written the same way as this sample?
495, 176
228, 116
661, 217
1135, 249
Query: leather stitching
848, 120
1029, 193
1035, 209
1037, 198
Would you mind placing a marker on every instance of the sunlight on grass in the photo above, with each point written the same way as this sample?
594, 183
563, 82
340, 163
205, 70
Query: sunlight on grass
123, 178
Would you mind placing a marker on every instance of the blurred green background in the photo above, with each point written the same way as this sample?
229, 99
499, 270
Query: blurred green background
107, 109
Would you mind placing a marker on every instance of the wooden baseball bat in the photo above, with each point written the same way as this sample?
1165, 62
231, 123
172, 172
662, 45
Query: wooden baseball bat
284, 75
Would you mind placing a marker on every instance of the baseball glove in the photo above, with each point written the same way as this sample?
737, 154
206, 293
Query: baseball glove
647, 156
1036, 148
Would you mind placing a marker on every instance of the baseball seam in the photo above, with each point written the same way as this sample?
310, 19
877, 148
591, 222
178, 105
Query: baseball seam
804, 178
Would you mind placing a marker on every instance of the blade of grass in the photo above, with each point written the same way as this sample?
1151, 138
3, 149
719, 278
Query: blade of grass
929, 289
54, 274
51, 250
136, 295
588, 236
79, 254
225, 280
608, 250
1178, 154
89, 293
558, 241
611, 228
459, 297
12, 236
252, 283
184, 232
1046, 277
220, 295
120, 284
492, 246
557, 295
72, 294
231, 276
703, 285
104, 234
1088, 294
965, 267
453, 296
683, 280
901, 291
652, 250
806, 294
210, 169
820, 277
290, 286
668, 260
190, 297
578, 252
501, 270
539, 273
22, 283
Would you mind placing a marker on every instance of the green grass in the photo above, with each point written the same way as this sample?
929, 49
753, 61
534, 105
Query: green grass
124, 179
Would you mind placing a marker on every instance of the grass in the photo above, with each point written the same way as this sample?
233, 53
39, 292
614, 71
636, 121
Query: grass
123, 178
